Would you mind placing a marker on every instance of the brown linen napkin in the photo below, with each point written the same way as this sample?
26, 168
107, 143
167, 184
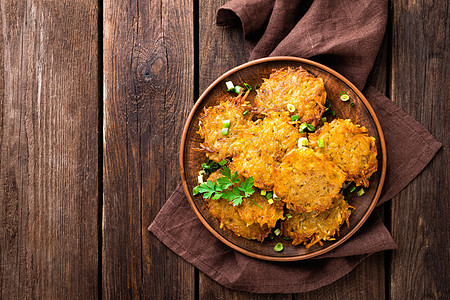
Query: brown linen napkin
344, 35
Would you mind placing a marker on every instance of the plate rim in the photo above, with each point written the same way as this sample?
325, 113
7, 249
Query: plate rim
302, 256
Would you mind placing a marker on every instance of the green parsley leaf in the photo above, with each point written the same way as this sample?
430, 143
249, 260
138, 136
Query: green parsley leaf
224, 183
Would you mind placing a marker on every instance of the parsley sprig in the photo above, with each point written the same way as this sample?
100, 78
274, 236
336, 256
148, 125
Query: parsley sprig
228, 187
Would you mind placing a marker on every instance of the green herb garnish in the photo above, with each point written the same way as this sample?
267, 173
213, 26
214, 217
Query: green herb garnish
228, 187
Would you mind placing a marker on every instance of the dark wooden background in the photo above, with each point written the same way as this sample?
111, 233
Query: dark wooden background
93, 97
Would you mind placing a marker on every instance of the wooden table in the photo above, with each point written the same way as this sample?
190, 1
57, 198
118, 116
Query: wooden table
94, 95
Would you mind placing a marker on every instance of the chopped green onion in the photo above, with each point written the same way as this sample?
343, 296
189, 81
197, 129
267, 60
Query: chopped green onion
202, 172
290, 107
224, 131
352, 104
271, 236
275, 197
285, 238
278, 247
320, 143
230, 85
343, 93
333, 113
327, 103
269, 195
288, 216
223, 162
263, 192
200, 179
345, 97
294, 118
352, 189
237, 89
270, 201
302, 127
277, 231
302, 142
245, 112
226, 124
195, 191
310, 127
324, 119
247, 86
361, 192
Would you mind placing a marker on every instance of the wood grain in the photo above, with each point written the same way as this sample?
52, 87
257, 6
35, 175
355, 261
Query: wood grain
420, 213
48, 149
148, 75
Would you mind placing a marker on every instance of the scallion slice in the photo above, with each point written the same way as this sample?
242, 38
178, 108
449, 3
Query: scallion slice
345, 97
247, 86
237, 89
290, 107
230, 85
269, 195
224, 131
277, 231
361, 192
195, 191
278, 247
333, 113
310, 127
245, 112
302, 142
294, 118
352, 189
288, 216
302, 127
320, 143
352, 104
226, 123
324, 119
263, 192
270, 201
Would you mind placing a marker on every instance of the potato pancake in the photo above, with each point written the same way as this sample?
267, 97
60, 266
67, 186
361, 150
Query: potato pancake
267, 143
307, 181
349, 147
310, 229
293, 86
247, 219
216, 145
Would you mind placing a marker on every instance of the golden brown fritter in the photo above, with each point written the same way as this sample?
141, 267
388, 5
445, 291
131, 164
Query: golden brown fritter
216, 145
307, 182
293, 86
229, 217
269, 215
247, 219
309, 229
267, 143
349, 147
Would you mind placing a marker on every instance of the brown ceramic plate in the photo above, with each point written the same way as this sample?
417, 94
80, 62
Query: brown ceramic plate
253, 73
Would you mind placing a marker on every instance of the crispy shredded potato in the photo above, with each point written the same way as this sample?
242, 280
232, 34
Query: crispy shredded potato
310, 229
247, 219
295, 87
307, 182
349, 147
216, 145
270, 140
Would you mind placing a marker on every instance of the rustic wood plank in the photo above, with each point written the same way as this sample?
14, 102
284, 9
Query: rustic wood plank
420, 213
48, 149
148, 75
